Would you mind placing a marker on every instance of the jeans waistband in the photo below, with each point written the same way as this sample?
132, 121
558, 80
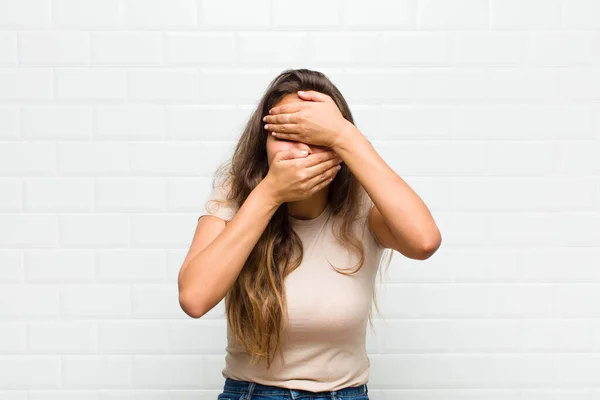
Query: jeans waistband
256, 388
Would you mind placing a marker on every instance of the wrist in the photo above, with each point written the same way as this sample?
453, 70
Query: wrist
268, 193
346, 133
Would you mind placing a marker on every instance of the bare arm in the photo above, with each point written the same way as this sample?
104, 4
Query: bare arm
399, 218
219, 251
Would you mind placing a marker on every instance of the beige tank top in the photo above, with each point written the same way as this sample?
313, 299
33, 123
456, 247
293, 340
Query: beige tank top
325, 344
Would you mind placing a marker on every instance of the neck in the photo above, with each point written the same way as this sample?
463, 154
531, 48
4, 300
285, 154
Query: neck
308, 208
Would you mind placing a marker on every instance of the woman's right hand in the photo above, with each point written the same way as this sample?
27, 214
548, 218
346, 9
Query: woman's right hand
293, 176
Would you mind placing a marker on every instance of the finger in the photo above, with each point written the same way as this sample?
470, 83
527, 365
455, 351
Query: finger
322, 178
312, 95
288, 108
281, 119
330, 154
318, 158
324, 169
322, 184
290, 154
282, 128
286, 136
327, 165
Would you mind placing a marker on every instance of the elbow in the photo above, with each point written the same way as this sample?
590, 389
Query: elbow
190, 306
430, 247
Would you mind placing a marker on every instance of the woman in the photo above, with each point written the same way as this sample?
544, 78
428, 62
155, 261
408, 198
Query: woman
293, 242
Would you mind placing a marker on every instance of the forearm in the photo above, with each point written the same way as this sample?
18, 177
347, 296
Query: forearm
211, 274
405, 214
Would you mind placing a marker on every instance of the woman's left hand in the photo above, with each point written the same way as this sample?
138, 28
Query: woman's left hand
316, 121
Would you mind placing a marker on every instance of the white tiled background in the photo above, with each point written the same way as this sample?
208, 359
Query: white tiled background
114, 114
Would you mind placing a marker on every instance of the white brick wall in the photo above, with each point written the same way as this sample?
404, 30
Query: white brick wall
114, 114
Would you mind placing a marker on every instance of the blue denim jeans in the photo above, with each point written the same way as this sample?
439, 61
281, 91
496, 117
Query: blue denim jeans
243, 390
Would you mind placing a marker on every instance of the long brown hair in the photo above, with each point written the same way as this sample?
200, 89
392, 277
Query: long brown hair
256, 305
